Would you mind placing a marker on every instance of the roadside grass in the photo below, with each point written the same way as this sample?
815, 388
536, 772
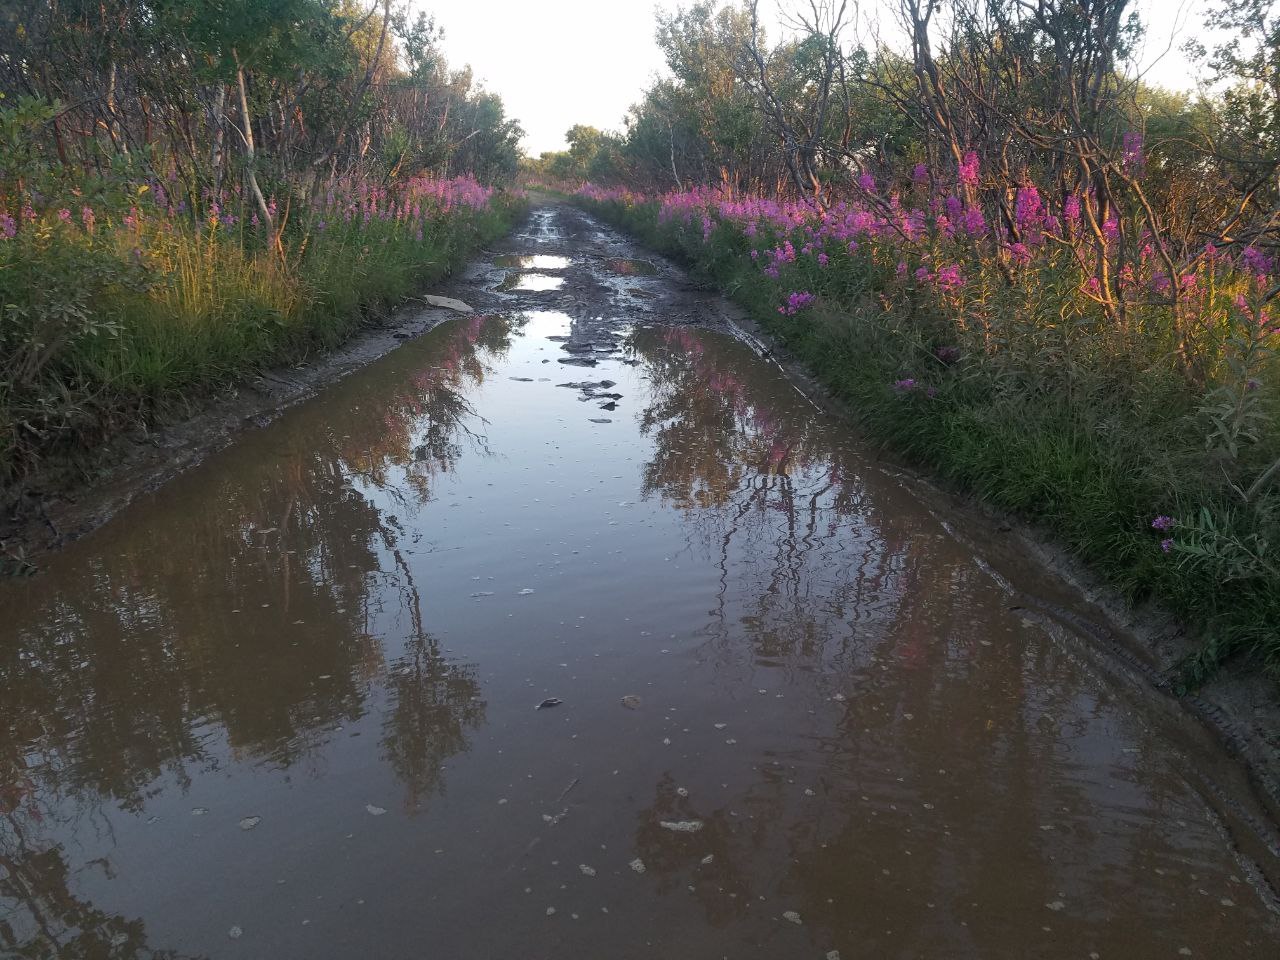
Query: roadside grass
107, 323
1085, 433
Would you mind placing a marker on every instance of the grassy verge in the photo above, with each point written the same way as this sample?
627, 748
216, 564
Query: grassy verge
1087, 431
117, 303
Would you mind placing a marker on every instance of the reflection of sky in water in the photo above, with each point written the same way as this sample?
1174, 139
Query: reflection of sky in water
328, 618
531, 281
539, 261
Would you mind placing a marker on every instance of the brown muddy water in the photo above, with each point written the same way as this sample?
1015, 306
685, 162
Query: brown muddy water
287, 705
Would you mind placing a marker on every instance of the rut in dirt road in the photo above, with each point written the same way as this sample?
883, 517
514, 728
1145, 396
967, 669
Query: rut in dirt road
572, 628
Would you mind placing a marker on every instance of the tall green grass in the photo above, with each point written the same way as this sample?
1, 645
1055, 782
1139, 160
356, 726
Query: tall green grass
112, 316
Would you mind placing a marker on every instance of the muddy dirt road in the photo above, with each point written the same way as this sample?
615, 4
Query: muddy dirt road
571, 628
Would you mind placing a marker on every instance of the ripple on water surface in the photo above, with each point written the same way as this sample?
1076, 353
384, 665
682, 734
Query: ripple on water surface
680, 676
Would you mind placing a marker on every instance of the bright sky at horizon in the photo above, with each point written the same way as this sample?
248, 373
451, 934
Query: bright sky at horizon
560, 62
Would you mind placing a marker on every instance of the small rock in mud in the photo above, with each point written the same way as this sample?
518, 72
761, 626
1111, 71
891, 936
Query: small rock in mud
631, 701
199, 811
579, 347
579, 361
549, 702
375, 811
248, 823
637, 865
600, 420
611, 405
235, 933
681, 826
587, 871
791, 916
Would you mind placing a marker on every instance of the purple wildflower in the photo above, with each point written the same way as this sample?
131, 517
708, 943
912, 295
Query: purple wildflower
1162, 522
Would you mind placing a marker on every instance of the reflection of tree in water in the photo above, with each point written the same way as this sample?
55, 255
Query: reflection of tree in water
239, 610
770, 493
433, 703
41, 919
839, 581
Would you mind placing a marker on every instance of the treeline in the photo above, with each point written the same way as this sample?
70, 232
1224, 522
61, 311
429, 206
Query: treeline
1043, 92
213, 90
193, 189
1051, 282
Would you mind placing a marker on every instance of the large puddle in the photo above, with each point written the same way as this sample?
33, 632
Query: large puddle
286, 707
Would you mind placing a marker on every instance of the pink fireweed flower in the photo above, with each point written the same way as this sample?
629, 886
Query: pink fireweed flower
1256, 262
1020, 253
975, 224
1071, 209
1132, 159
64, 215
8, 226
87, 217
949, 279
967, 170
1166, 545
1027, 208
867, 182
823, 259
920, 174
796, 302
1111, 228
901, 270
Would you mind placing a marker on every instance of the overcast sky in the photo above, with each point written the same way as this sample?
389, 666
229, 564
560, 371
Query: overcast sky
560, 62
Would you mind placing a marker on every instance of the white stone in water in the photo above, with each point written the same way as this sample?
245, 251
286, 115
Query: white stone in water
791, 915
681, 826
637, 865
248, 823
448, 303
235, 933
375, 810
587, 871
524, 593
1055, 905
